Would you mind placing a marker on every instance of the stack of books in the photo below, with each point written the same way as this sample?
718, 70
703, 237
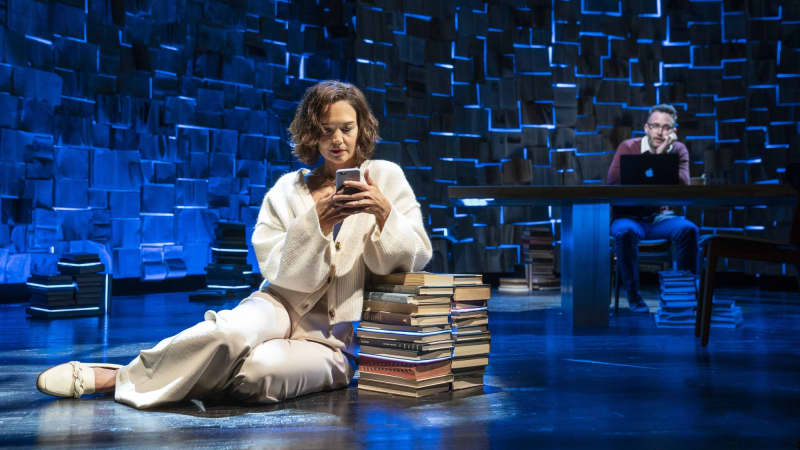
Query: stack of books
470, 322
513, 285
86, 270
405, 335
230, 244
540, 259
51, 291
79, 290
725, 313
229, 275
678, 304
406, 378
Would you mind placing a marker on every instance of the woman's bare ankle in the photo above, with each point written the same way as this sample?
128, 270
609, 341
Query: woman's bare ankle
104, 379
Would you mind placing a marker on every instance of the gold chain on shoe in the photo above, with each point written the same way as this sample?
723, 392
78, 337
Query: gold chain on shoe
77, 379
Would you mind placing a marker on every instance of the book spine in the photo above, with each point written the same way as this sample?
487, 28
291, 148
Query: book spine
415, 347
384, 317
395, 288
411, 373
392, 297
402, 308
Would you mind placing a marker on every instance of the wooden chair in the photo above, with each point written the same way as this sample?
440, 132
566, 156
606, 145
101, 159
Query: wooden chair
731, 246
649, 250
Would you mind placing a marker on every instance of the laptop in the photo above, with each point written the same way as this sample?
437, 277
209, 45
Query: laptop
648, 168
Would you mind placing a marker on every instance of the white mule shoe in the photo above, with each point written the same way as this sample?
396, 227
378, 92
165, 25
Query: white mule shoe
71, 379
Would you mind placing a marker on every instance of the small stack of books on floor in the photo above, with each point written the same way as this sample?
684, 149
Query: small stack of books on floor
678, 305
405, 378
470, 322
85, 270
51, 291
406, 326
513, 285
405, 335
725, 313
80, 290
540, 259
229, 275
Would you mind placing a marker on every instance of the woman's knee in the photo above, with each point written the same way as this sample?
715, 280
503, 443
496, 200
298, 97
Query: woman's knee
228, 335
262, 377
253, 321
272, 373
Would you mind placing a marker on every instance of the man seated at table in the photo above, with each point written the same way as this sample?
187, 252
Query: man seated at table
633, 224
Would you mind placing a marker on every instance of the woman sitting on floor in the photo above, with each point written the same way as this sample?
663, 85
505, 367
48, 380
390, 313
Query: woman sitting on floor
314, 248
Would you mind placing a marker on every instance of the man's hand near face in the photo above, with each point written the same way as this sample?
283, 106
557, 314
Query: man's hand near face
666, 143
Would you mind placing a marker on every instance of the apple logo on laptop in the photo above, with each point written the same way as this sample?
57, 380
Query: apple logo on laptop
648, 173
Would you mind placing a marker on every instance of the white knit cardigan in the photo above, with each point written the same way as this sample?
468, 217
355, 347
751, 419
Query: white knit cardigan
301, 264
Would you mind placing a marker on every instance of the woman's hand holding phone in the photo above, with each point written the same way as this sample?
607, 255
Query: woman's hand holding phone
329, 213
343, 175
366, 198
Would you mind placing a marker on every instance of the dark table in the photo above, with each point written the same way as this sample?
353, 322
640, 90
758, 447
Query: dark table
585, 254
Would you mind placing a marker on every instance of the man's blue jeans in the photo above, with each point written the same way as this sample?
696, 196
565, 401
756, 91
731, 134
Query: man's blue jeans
628, 232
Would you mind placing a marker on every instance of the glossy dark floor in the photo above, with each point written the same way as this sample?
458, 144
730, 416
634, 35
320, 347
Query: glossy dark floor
629, 386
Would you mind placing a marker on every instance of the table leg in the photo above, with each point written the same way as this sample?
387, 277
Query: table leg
585, 264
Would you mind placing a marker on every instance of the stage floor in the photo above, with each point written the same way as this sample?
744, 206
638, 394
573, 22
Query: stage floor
629, 386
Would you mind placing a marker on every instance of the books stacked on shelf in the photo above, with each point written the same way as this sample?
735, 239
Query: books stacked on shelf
678, 305
470, 323
513, 286
228, 276
405, 335
540, 259
80, 290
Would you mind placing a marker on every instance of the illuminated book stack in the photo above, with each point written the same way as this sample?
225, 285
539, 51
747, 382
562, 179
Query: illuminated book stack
230, 245
540, 259
513, 286
51, 291
81, 289
677, 308
405, 335
678, 299
229, 275
470, 321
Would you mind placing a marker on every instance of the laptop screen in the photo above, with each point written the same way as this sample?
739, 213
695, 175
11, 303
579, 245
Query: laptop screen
648, 168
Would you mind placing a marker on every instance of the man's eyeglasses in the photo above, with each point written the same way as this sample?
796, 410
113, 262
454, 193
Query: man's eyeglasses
665, 127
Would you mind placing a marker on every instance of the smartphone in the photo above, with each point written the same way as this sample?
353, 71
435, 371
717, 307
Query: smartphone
673, 137
343, 175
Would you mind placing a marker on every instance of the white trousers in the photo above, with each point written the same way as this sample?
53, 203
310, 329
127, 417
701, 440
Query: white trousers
245, 353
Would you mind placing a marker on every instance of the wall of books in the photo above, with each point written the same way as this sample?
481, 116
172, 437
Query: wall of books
131, 129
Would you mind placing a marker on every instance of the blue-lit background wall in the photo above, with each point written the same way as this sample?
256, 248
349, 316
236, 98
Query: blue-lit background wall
130, 128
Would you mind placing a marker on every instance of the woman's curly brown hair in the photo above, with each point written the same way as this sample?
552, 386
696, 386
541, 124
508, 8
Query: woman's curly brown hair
306, 127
